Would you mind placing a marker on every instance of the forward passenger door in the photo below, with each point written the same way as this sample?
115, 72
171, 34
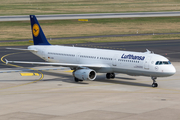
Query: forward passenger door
114, 60
146, 63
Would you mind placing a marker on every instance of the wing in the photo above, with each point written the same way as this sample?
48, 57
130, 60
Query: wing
61, 64
34, 69
33, 50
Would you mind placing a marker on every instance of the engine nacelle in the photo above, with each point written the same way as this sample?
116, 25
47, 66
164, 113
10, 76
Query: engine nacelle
85, 74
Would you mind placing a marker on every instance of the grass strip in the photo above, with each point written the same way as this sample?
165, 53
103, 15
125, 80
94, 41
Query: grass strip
98, 40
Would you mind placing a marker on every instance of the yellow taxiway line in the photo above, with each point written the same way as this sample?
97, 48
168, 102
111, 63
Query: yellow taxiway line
42, 76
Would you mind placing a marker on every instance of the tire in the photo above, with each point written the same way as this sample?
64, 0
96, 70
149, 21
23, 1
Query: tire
112, 75
108, 75
154, 85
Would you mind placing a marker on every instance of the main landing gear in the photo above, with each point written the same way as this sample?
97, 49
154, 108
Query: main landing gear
154, 82
110, 75
77, 80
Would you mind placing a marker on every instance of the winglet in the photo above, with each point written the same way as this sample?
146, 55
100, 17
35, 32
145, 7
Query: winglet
6, 61
38, 35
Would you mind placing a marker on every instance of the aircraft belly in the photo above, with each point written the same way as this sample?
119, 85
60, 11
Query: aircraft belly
141, 72
104, 70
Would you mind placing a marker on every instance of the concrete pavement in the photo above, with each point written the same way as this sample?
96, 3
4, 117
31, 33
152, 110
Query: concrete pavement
58, 97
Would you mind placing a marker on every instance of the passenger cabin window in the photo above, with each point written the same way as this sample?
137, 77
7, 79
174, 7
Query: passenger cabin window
163, 63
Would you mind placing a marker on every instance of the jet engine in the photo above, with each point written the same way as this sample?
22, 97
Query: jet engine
85, 74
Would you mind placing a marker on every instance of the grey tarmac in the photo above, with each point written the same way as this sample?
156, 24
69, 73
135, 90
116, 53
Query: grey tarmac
96, 36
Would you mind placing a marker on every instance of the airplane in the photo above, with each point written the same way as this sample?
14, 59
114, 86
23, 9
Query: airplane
87, 62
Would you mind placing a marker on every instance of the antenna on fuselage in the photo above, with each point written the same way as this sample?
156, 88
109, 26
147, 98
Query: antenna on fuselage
149, 52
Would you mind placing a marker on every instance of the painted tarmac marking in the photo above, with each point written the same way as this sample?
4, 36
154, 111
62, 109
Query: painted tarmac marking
69, 71
42, 76
29, 74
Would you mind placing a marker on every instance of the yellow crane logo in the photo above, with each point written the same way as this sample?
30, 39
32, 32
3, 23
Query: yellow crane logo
35, 30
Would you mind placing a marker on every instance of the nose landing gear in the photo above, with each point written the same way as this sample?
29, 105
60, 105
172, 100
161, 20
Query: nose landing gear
154, 82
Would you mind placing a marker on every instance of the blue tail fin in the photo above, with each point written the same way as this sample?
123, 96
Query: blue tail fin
37, 33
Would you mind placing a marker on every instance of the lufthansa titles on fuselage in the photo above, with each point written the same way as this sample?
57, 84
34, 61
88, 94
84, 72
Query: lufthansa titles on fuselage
133, 57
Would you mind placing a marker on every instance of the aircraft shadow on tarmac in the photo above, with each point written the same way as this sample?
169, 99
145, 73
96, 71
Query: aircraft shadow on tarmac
122, 81
62, 77
68, 78
100, 78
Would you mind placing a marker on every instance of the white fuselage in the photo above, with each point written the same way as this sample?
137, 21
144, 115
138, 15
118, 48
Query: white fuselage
131, 63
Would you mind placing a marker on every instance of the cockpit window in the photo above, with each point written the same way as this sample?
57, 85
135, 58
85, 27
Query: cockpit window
163, 62
157, 62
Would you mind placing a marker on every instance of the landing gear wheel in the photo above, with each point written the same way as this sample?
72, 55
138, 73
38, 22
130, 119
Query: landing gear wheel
154, 82
154, 85
110, 75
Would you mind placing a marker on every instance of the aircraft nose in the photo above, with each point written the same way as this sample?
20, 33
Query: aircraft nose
173, 70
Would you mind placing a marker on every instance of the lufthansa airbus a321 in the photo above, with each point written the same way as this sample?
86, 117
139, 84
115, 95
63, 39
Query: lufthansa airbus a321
87, 62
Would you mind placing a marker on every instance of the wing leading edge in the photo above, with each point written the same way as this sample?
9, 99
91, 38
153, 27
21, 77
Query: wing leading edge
61, 64
32, 69
33, 50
